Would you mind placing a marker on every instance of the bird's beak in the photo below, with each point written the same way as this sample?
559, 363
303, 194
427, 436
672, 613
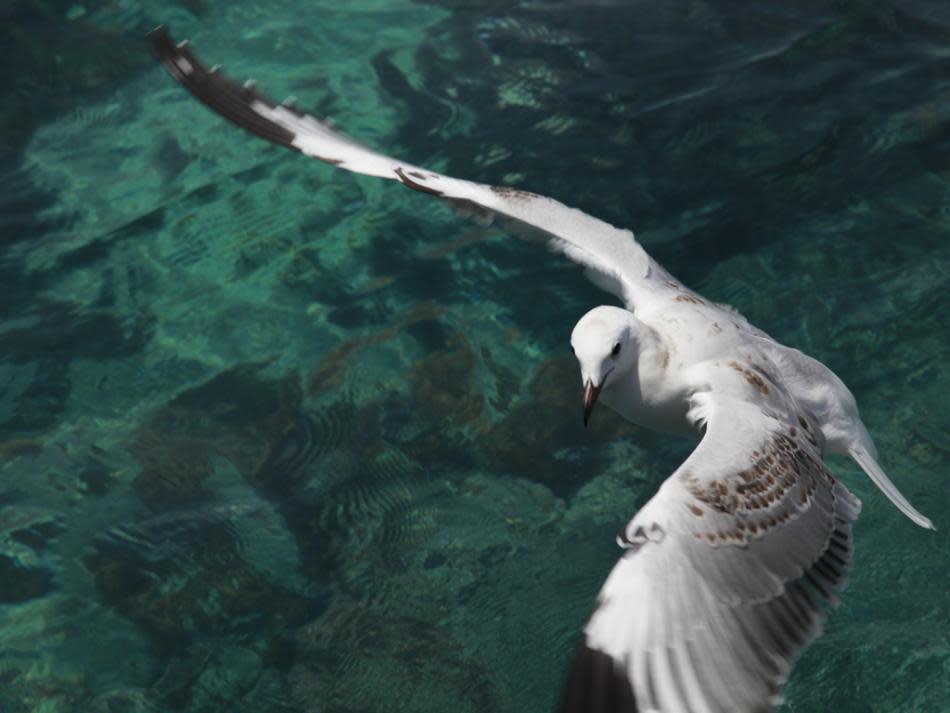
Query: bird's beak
591, 393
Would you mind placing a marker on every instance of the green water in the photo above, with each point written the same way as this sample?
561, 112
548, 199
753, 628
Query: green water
278, 438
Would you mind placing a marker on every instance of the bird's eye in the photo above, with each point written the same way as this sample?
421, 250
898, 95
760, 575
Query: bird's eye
616, 350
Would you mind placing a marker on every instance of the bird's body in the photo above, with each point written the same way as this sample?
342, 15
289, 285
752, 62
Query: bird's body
727, 567
679, 330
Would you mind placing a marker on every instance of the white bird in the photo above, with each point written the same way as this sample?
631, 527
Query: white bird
726, 569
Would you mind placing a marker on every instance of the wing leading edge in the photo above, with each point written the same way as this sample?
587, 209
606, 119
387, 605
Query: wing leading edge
613, 258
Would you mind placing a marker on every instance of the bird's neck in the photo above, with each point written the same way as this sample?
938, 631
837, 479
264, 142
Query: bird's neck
645, 393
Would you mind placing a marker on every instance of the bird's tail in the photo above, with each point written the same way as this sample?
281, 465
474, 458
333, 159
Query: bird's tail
875, 473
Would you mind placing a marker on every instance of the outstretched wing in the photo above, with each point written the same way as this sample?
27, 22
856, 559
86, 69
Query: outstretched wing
613, 258
727, 567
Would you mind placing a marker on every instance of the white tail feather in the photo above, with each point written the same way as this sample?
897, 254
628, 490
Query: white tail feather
870, 466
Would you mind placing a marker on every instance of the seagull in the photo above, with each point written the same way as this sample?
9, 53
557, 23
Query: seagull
726, 571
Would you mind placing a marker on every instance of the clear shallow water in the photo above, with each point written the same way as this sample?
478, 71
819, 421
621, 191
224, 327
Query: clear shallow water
274, 437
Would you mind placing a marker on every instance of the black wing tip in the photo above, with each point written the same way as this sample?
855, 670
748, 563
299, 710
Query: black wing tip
232, 101
159, 32
162, 43
597, 684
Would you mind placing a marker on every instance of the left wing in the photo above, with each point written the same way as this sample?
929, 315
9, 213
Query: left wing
614, 260
726, 568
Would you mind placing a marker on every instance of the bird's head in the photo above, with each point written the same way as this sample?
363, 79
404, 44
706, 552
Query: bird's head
604, 342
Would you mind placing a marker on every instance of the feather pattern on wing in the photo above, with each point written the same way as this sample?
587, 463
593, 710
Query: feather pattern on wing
728, 565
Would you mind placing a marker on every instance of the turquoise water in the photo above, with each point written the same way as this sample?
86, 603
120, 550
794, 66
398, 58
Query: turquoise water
274, 437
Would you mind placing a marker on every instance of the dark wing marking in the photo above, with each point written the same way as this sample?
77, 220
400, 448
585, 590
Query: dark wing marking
613, 258
728, 567
215, 90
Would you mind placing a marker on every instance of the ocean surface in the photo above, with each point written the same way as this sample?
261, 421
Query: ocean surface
274, 437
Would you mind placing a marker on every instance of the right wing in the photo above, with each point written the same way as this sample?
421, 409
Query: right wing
727, 566
613, 258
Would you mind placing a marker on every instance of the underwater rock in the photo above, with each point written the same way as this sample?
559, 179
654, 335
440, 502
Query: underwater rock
328, 375
125, 700
212, 675
199, 586
60, 333
174, 686
228, 676
358, 657
303, 441
443, 387
96, 477
38, 535
237, 415
16, 447
541, 435
431, 608
330, 372
89, 56
20, 584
